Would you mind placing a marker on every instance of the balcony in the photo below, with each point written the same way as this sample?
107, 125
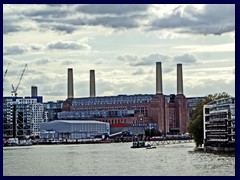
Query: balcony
217, 140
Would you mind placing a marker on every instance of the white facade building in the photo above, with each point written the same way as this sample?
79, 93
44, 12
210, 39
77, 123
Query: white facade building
219, 125
37, 117
36, 112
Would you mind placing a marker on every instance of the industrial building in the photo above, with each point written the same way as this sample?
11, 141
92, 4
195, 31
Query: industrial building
169, 113
72, 129
219, 125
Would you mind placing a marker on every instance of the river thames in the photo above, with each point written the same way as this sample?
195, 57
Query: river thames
114, 159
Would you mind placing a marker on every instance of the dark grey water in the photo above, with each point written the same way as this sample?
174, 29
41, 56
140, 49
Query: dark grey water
116, 159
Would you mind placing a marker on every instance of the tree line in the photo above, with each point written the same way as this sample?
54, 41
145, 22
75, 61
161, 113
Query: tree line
196, 121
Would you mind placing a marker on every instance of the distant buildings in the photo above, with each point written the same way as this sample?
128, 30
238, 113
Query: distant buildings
192, 101
52, 109
167, 113
219, 125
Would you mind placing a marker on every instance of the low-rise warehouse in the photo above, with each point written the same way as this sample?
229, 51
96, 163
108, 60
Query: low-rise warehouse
72, 129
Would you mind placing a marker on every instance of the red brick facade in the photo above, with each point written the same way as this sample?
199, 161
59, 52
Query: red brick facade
167, 115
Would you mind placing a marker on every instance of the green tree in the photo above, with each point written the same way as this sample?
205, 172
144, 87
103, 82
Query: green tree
196, 122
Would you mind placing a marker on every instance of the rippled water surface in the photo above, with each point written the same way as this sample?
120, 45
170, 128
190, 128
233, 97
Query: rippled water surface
115, 159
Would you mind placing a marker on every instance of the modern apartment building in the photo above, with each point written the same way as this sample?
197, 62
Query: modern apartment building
22, 116
219, 125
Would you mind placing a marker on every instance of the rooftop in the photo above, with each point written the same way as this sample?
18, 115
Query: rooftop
77, 121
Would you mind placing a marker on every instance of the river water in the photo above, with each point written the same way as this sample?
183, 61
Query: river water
114, 159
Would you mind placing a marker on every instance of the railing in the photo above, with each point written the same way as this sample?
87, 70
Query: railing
170, 141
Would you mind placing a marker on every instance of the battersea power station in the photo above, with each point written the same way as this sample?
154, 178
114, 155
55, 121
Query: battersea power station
167, 113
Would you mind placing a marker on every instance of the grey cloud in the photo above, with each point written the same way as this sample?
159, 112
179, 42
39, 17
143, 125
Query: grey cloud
47, 12
213, 19
128, 58
43, 20
11, 23
68, 62
14, 49
42, 61
138, 72
55, 90
210, 86
103, 86
173, 21
9, 28
61, 28
218, 12
186, 58
152, 59
168, 69
214, 29
68, 45
115, 22
144, 61
115, 9
42, 81
69, 25
98, 62
36, 47
47, 17
34, 72
76, 21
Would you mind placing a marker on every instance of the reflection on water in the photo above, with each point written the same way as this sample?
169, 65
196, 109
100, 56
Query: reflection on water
116, 159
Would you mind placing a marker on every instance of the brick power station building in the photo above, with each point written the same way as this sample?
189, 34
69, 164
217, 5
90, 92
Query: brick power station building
167, 113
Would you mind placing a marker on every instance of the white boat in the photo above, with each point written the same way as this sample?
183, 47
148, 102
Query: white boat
17, 142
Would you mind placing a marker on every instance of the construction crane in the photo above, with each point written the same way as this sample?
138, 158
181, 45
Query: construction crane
5, 73
14, 90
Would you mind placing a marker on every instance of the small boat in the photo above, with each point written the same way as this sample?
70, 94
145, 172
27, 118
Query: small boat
140, 144
151, 147
18, 142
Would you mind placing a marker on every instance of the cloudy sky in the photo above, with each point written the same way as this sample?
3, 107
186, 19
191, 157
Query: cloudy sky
122, 43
